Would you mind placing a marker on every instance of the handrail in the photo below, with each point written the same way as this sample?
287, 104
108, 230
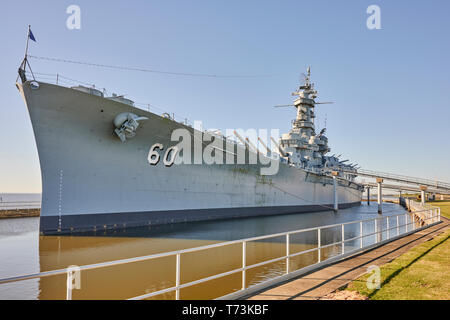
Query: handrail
145, 106
37, 201
403, 178
434, 213
20, 205
189, 250
290, 255
60, 79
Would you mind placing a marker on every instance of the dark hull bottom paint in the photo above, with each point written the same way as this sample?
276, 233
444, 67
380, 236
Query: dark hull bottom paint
105, 221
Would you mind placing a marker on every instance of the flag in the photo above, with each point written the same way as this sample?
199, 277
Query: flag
31, 36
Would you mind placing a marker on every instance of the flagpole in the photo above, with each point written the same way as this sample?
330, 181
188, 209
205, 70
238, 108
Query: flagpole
24, 63
28, 39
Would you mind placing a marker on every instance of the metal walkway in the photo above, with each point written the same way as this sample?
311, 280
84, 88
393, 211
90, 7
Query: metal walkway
439, 185
317, 284
405, 188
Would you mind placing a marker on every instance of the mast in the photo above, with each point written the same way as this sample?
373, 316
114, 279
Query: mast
303, 146
23, 65
305, 107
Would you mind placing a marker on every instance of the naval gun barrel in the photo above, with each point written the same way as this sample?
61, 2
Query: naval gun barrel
255, 149
279, 148
245, 143
264, 145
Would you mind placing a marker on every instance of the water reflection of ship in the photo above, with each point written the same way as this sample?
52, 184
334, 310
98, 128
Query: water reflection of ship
125, 281
128, 280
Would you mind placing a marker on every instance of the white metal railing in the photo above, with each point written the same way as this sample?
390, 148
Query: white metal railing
432, 217
16, 205
403, 178
62, 80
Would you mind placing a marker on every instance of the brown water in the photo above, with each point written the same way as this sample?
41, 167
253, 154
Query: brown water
23, 251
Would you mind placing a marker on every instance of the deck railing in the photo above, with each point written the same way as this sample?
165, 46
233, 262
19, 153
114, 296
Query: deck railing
17, 205
405, 179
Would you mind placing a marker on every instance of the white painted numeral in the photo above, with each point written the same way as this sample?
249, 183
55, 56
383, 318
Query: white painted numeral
172, 153
153, 155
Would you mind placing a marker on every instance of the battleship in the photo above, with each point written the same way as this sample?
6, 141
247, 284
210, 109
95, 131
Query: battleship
106, 164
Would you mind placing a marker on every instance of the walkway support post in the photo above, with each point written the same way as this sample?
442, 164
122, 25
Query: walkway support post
287, 253
244, 263
335, 190
380, 195
368, 196
422, 194
177, 276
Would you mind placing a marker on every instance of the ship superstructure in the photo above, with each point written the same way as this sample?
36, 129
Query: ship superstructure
302, 146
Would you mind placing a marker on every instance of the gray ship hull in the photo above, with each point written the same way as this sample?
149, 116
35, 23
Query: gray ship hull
93, 181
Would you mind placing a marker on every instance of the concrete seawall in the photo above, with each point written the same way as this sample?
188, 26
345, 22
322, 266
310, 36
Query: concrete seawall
19, 213
417, 209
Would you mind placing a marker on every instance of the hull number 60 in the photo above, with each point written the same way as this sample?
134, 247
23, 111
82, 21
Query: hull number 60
168, 158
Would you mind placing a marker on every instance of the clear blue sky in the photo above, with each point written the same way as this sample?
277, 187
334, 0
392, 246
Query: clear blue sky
391, 87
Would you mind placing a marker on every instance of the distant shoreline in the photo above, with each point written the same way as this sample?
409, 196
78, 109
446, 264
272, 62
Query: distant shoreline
19, 213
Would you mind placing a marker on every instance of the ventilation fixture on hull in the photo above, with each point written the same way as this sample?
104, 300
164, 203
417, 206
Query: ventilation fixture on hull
84, 89
126, 125
121, 99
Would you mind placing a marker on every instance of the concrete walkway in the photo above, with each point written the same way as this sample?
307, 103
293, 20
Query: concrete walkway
319, 283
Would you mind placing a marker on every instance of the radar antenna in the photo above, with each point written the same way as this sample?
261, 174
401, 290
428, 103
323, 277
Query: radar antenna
305, 86
309, 73
303, 79
293, 105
